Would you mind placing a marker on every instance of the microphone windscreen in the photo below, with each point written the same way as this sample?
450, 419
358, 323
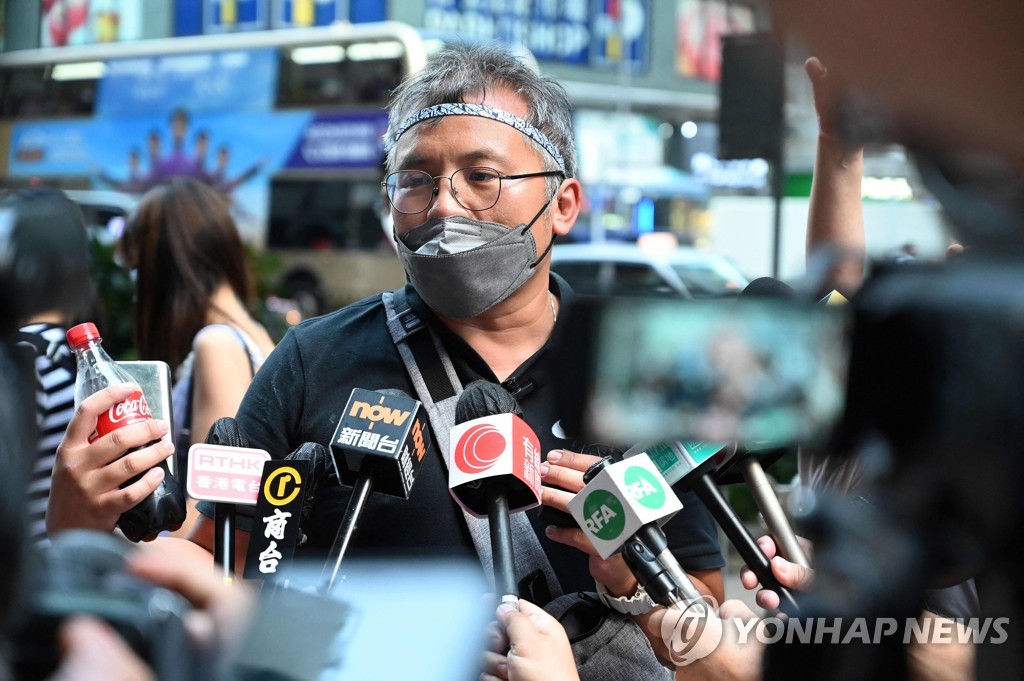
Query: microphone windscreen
320, 467
484, 398
768, 287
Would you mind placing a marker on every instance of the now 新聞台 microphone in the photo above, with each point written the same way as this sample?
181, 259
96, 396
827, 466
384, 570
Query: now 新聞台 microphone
494, 470
381, 439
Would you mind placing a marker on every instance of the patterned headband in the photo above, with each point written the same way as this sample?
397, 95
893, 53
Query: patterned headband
464, 109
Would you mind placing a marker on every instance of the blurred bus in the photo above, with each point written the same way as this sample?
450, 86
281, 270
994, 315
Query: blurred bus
286, 123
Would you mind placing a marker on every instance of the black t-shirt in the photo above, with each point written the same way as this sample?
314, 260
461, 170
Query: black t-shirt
300, 391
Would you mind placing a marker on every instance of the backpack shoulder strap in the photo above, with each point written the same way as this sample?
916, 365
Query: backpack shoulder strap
438, 388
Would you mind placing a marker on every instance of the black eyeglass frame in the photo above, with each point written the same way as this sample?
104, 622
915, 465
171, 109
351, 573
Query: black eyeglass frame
437, 188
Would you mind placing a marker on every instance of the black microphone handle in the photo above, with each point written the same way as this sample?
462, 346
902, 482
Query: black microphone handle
651, 575
349, 524
654, 539
736, 531
505, 585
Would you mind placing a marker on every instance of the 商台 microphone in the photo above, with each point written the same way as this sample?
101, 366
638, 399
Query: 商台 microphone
378, 446
494, 470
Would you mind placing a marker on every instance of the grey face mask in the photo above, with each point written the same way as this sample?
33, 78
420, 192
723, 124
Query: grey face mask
463, 267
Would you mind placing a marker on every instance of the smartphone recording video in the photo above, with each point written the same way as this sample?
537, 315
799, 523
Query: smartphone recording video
764, 372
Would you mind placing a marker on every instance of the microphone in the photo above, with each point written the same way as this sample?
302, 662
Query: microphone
769, 287
287, 493
378, 446
622, 508
319, 458
494, 470
684, 470
748, 462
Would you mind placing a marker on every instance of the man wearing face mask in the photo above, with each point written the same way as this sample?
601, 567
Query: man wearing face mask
480, 178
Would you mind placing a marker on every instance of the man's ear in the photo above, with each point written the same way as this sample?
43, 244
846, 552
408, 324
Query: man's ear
567, 206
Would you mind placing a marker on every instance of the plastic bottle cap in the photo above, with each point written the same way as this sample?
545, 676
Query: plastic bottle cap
79, 335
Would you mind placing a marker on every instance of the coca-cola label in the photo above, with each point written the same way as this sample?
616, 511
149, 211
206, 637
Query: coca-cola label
133, 409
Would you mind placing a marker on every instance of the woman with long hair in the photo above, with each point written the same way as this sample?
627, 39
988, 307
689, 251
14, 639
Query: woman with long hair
193, 287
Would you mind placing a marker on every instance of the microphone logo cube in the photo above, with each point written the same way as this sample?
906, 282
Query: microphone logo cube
619, 500
225, 474
383, 435
675, 460
500, 449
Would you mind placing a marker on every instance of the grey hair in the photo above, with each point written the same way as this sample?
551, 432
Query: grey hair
462, 69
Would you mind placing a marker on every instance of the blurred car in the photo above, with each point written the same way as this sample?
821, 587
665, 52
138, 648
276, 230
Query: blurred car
627, 269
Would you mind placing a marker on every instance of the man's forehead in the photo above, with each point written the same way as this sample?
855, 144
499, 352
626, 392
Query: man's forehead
413, 125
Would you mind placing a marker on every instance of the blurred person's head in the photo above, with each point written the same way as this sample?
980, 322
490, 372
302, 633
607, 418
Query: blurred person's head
47, 256
223, 156
153, 141
185, 245
179, 125
134, 159
202, 143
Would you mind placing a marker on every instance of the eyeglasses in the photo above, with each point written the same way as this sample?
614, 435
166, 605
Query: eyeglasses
476, 188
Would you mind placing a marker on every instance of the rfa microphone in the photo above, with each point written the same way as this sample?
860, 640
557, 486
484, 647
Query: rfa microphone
748, 462
494, 470
684, 470
378, 446
622, 508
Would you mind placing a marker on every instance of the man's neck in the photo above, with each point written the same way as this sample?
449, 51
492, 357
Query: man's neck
512, 331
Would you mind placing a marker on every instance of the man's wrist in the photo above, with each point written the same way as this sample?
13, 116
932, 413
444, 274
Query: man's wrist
636, 603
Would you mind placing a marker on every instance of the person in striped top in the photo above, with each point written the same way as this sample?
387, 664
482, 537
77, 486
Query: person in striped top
49, 236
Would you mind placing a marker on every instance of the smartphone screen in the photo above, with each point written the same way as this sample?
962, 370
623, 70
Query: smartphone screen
756, 371
154, 377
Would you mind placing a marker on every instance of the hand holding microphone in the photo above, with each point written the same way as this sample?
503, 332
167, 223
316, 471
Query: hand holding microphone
790, 574
685, 470
622, 508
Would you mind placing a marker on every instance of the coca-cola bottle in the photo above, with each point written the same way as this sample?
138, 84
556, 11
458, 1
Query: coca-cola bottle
164, 509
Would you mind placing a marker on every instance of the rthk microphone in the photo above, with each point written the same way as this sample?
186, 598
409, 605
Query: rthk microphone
378, 446
684, 470
494, 470
622, 508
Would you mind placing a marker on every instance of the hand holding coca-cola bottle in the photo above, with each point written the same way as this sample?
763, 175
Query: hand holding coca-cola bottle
112, 459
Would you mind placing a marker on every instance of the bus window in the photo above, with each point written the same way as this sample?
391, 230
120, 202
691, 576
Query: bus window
48, 91
325, 214
24, 92
336, 75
